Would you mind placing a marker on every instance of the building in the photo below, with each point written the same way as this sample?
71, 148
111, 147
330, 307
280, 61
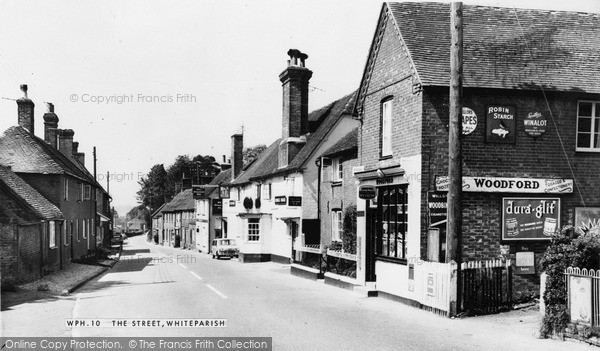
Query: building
158, 233
30, 227
54, 167
273, 201
531, 106
180, 220
209, 212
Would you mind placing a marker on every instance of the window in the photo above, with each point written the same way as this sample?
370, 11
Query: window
267, 192
392, 222
85, 228
87, 192
64, 229
337, 170
291, 185
66, 188
51, 234
257, 191
386, 127
588, 126
77, 229
80, 191
337, 226
253, 229
239, 194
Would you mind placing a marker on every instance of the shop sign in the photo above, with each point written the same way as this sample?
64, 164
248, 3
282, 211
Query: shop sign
217, 207
500, 124
198, 192
223, 192
231, 203
535, 124
587, 219
469, 121
509, 185
580, 299
295, 201
367, 192
437, 203
525, 262
280, 200
530, 218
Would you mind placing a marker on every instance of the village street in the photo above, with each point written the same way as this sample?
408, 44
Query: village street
260, 300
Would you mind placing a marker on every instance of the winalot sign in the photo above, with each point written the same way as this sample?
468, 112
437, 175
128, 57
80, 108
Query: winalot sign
509, 185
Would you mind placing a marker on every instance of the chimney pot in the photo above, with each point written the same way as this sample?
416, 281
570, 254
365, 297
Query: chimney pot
49, 107
25, 109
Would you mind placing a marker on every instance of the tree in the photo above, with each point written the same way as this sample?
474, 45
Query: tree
154, 188
251, 153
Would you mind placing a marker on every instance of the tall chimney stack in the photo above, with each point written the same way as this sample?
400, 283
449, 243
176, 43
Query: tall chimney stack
65, 142
294, 80
237, 157
51, 126
25, 110
79, 156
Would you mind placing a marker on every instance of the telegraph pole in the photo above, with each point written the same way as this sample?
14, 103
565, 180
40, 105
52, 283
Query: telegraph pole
454, 226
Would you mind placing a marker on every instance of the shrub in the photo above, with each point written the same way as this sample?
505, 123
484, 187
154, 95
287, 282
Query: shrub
257, 203
349, 238
247, 203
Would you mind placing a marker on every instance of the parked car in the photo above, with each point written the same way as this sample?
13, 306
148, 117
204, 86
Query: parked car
224, 248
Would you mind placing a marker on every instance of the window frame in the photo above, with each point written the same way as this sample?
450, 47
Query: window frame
386, 119
87, 192
337, 169
593, 135
253, 230
337, 225
400, 233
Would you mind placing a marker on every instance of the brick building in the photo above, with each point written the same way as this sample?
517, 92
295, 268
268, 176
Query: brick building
29, 230
54, 167
531, 111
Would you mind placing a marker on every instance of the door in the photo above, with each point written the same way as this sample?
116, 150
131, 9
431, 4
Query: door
370, 242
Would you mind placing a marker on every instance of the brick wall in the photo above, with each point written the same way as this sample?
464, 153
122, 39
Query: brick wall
340, 195
542, 157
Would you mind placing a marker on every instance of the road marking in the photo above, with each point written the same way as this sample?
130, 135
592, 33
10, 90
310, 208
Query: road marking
216, 291
182, 265
196, 275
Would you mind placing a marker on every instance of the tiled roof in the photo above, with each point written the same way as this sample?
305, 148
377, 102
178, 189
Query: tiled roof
26, 153
504, 47
268, 161
348, 143
44, 208
184, 201
158, 212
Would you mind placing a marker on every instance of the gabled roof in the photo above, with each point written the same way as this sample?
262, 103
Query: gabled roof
349, 143
267, 163
19, 188
26, 153
184, 201
503, 48
158, 212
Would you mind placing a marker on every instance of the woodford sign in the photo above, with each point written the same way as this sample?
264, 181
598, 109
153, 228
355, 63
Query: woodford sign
509, 185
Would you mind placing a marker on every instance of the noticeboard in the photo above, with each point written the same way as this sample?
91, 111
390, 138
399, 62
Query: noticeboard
280, 200
295, 201
530, 218
217, 207
367, 192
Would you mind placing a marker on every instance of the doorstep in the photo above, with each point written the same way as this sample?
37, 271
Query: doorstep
305, 272
340, 281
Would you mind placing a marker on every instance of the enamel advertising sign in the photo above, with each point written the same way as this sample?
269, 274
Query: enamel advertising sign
530, 218
501, 124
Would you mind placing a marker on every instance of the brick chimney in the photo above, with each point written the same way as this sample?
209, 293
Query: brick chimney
25, 110
79, 156
65, 142
237, 156
294, 80
51, 126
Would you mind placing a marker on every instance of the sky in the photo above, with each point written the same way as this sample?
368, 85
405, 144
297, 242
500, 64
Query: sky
146, 81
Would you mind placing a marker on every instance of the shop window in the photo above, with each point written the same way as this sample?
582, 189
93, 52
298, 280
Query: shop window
588, 126
253, 229
386, 127
337, 226
392, 222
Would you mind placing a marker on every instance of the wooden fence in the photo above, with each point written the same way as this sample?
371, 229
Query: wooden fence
486, 287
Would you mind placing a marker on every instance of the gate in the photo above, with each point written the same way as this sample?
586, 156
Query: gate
486, 287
